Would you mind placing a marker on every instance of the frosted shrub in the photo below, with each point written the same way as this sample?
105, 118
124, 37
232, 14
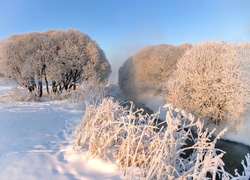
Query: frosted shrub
23, 95
134, 140
61, 96
97, 131
91, 94
111, 124
246, 174
167, 158
211, 80
141, 150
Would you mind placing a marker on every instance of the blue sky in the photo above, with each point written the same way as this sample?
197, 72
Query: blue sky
121, 27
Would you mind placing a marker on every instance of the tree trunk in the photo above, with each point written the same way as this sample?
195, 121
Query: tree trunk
33, 83
72, 85
47, 84
60, 87
40, 89
66, 85
30, 88
54, 87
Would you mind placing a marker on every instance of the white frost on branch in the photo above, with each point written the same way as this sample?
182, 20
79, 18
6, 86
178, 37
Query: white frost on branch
63, 58
212, 81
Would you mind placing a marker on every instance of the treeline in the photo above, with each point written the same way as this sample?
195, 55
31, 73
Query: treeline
63, 58
210, 79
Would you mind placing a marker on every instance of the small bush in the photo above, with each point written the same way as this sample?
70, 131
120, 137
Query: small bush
92, 94
96, 131
62, 95
23, 95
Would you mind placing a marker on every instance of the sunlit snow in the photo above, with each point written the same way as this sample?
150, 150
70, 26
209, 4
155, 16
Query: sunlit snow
36, 142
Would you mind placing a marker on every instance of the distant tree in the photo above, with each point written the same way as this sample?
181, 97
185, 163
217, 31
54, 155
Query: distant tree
24, 58
39, 54
78, 58
149, 68
62, 57
211, 80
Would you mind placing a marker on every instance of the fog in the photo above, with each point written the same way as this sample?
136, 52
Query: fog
118, 55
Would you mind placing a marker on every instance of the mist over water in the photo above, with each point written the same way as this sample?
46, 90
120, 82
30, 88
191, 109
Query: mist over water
118, 55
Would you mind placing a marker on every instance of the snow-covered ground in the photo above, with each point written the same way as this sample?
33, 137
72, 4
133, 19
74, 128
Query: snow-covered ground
36, 142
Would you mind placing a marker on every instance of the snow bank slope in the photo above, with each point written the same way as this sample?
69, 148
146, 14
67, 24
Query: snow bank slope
35, 142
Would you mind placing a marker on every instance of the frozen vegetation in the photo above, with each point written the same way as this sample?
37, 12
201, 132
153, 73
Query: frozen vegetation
92, 132
142, 148
212, 80
209, 79
112, 141
63, 58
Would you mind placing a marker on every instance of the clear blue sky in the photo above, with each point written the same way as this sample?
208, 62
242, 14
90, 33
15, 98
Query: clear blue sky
121, 27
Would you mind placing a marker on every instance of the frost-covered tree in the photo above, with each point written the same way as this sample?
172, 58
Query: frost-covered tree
149, 68
24, 58
62, 57
39, 53
77, 58
211, 80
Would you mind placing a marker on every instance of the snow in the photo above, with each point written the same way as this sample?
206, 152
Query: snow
36, 142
